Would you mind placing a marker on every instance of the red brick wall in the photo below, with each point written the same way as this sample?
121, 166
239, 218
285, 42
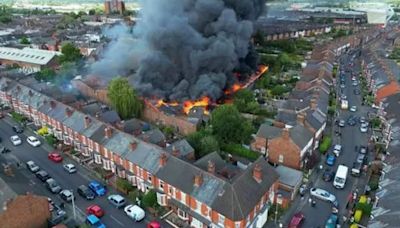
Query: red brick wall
287, 148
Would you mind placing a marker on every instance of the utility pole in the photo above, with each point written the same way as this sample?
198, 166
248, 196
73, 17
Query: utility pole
73, 204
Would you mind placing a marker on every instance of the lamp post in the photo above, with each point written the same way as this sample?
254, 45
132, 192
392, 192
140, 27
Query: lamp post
73, 204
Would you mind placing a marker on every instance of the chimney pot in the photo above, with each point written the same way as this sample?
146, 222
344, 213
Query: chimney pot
211, 167
313, 103
53, 104
175, 151
257, 173
133, 145
198, 180
68, 112
301, 119
87, 121
163, 159
108, 132
285, 133
30, 93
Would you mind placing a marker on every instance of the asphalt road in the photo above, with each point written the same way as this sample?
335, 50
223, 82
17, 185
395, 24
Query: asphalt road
25, 181
351, 137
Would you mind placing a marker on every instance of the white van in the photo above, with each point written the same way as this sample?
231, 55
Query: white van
340, 177
135, 212
344, 104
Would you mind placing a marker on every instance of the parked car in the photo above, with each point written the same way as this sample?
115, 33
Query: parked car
323, 195
355, 83
135, 212
296, 220
116, 200
93, 221
17, 129
52, 185
332, 221
42, 175
341, 123
55, 157
364, 128
85, 192
337, 149
70, 168
97, 188
16, 140
351, 120
32, 166
95, 210
361, 158
330, 159
154, 224
357, 92
353, 108
33, 141
67, 195
328, 175
363, 150
356, 169
362, 119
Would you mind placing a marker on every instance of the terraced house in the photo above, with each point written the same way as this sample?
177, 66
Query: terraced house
206, 193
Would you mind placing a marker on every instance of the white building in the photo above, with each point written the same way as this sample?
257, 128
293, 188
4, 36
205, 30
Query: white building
377, 12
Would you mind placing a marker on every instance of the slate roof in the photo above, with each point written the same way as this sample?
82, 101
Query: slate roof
182, 145
119, 143
286, 117
288, 176
110, 116
132, 125
300, 135
315, 118
57, 113
147, 156
268, 131
155, 136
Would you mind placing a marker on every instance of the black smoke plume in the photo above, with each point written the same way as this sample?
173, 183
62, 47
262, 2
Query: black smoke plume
185, 49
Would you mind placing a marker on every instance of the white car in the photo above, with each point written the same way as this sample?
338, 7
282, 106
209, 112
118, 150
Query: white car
32, 166
337, 149
323, 195
16, 140
33, 141
70, 168
134, 212
364, 128
116, 200
353, 108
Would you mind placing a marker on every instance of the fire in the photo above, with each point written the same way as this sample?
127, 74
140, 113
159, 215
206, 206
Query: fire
236, 87
162, 102
203, 102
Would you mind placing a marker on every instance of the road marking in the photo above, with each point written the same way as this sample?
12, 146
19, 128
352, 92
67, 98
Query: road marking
116, 220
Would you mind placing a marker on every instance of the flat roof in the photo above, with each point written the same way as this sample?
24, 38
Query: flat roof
27, 55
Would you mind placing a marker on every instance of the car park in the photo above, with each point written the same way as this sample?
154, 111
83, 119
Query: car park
337, 149
353, 108
85, 192
16, 140
95, 210
52, 185
296, 220
323, 195
55, 157
328, 175
70, 168
67, 195
42, 175
330, 159
135, 212
97, 188
17, 129
33, 141
116, 200
32, 166
94, 221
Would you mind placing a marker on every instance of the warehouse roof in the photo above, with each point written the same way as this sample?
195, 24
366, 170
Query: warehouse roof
27, 55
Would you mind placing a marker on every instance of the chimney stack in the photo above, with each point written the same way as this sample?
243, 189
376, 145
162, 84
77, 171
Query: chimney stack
211, 167
257, 173
175, 151
285, 133
301, 119
108, 132
146, 138
313, 103
163, 159
30, 93
133, 145
53, 104
198, 180
68, 112
87, 121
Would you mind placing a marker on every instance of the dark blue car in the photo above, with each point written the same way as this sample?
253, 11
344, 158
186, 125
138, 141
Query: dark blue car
330, 160
97, 188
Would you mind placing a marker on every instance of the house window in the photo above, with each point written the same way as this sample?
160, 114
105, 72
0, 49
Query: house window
161, 199
106, 164
161, 185
280, 159
149, 177
182, 214
97, 158
221, 219
237, 224
183, 198
131, 179
171, 191
198, 207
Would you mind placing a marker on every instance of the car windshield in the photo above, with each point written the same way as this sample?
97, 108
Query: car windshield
33, 139
339, 180
324, 194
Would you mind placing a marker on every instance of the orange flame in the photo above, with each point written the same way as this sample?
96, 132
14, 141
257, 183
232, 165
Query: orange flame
161, 103
203, 102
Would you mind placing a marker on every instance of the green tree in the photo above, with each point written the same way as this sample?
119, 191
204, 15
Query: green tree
70, 53
245, 101
124, 99
24, 40
92, 12
278, 90
229, 126
47, 74
150, 199
208, 144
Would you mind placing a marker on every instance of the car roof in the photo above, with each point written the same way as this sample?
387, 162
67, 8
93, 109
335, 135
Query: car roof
83, 187
94, 182
95, 207
92, 219
117, 197
30, 162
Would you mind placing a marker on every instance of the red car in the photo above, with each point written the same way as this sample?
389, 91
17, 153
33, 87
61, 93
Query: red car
297, 220
95, 210
55, 157
154, 224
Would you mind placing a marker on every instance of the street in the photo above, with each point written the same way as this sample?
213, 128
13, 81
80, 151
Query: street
25, 181
349, 139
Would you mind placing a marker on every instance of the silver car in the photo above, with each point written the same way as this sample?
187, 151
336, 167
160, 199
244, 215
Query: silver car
323, 195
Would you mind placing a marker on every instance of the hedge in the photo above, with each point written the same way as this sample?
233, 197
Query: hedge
239, 150
325, 144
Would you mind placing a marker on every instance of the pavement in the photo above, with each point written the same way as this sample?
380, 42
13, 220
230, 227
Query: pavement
350, 137
24, 181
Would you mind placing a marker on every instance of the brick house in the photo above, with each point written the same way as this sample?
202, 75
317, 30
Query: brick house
200, 197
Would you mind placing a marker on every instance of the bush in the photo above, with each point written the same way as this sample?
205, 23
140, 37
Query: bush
239, 150
51, 139
124, 185
132, 195
43, 131
150, 199
18, 117
374, 184
365, 208
325, 145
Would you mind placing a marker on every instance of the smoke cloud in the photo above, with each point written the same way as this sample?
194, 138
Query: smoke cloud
184, 49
